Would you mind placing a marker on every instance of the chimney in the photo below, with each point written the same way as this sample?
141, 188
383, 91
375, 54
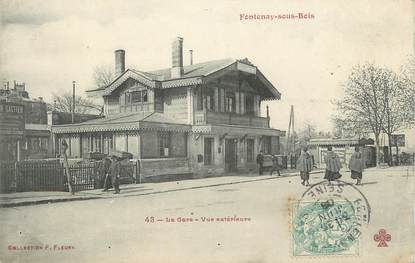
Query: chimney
177, 58
191, 56
119, 62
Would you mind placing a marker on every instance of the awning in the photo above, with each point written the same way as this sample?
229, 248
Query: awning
236, 130
126, 122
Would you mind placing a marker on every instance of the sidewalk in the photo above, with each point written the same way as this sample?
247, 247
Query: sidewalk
32, 198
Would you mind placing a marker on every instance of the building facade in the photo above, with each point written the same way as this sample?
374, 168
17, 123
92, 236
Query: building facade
24, 129
198, 119
344, 147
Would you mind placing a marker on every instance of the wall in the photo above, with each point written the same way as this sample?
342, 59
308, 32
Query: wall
175, 103
149, 145
120, 141
164, 166
134, 144
11, 130
35, 112
196, 148
111, 105
178, 144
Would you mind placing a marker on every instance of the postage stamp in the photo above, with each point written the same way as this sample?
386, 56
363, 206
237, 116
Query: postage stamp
329, 220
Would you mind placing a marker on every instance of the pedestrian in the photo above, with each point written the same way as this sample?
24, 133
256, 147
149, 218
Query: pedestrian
333, 165
260, 161
107, 173
275, 166
356, 165
115, 174
305, 165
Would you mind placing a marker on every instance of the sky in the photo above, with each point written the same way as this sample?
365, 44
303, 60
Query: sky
48, 44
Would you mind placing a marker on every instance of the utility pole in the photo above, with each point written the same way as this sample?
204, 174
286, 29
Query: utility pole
290, 135
73, 101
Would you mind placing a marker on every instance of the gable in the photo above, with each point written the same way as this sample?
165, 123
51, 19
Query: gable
139, 80
246, 87
253, 79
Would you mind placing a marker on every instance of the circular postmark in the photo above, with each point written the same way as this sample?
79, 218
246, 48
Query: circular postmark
328, 219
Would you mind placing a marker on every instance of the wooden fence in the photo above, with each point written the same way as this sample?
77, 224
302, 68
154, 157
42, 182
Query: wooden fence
49, 175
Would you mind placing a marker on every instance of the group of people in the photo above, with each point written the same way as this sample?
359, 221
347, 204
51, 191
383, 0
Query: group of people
112, 168
260, 161
333, 165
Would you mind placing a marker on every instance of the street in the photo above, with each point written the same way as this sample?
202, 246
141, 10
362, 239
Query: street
247, 222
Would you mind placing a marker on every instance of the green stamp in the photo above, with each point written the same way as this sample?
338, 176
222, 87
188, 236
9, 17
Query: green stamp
325, 227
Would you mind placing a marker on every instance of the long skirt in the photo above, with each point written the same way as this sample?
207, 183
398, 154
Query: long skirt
304, 175
355, 175
332, 175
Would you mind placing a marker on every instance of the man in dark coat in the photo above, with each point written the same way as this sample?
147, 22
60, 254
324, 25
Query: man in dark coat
305, 164
333, 165
356, 165
115, 174
107, 173
275, 165
260, 161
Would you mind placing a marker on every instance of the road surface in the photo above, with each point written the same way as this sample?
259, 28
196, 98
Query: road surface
247, 222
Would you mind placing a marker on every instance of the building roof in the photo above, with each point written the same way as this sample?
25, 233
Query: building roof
125, 122
340, 141
196, 70
193, 75
236, 130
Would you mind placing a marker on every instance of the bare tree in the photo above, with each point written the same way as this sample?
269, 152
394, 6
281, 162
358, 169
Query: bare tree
362, 106
306, 133
63, 103
399, 111
348, 128
407, 76
103, 76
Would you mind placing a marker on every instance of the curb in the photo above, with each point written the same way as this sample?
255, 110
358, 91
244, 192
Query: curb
46, 201
84, 198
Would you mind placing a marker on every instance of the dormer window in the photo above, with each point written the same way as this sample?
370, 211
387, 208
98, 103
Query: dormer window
136, 97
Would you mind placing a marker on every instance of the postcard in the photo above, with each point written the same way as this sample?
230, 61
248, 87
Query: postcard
207, 131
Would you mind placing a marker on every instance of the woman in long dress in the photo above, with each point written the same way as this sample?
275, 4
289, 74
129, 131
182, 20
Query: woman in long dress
305, 164
356, 166
333, 165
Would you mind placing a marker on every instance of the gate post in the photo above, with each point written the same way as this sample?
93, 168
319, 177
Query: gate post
138, 171
16, 174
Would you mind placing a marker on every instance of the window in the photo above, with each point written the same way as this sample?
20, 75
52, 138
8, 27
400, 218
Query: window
205, 99
164, 140
208, 151
250, 144
230, 102
209, 99
144, 94
249, 104
266, 144
137, 96
108, 143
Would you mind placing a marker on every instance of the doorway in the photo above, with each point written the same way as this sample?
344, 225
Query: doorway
230, 155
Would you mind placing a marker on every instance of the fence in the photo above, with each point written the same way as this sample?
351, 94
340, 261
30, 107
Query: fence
49, 175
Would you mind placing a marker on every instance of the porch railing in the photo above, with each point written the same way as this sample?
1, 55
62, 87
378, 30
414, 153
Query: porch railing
229, 118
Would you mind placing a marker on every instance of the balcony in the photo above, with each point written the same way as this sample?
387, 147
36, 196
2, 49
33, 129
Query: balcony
211, 117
